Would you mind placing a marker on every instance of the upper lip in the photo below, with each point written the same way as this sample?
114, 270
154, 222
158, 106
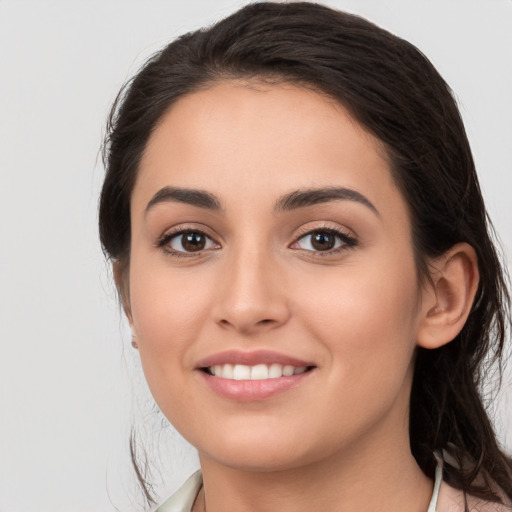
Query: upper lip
251, 358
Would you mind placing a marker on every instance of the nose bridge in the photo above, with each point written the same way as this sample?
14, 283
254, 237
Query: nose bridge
251, 295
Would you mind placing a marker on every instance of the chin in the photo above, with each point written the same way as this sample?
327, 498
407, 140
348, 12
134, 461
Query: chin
259, 459
260, 451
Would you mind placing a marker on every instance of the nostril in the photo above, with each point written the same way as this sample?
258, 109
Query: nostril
246, 316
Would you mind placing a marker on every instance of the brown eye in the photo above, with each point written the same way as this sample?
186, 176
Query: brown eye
193, 241
189, 241
324, 240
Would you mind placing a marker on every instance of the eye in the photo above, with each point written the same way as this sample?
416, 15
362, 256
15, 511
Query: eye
187, 241
324, 240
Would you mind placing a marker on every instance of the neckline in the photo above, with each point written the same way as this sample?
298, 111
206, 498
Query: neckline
432, 507
183, 500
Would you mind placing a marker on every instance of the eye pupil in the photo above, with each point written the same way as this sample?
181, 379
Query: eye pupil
323, 241
193, 241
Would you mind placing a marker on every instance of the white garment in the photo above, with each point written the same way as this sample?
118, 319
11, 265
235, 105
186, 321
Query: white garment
184, 498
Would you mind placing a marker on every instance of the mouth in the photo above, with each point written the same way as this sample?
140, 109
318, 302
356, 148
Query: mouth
256, 372
253, 376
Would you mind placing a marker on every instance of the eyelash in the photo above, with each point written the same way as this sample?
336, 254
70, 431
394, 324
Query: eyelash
169, 236
347, 240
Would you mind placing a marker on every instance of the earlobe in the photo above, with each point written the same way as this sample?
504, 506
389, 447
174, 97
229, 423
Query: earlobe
446, 305
122, 286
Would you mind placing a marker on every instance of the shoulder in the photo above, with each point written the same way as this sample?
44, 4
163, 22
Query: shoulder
183, 499
452, 500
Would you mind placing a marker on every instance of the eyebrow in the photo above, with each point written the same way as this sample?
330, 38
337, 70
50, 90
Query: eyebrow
294, 200
194, 197
312, 196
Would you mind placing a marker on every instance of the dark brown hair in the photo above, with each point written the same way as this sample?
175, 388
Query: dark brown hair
393, 90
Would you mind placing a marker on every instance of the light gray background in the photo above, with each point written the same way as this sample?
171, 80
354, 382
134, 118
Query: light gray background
69, 381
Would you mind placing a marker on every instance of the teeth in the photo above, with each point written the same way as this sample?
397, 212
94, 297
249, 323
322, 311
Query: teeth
226, 371
242, 372
275, 371
257, 372
288, 371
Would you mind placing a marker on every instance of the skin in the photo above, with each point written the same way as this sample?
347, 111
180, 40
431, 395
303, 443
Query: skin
357, 312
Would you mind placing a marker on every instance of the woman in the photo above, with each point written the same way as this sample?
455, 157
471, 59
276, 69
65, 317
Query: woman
301, 248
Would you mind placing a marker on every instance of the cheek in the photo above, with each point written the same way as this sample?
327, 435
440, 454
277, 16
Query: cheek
168, 309
366, 314
366, 320
168, 312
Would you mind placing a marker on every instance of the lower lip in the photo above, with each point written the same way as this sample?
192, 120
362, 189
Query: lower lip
252, 390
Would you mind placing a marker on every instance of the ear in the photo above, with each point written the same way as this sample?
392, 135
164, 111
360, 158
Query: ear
446, 305
122, 284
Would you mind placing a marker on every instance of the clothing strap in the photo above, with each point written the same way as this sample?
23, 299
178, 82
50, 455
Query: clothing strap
437, 485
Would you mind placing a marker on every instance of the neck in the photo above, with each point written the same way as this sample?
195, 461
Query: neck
378, 476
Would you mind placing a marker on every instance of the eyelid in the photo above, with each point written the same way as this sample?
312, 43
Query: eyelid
348, 238
311, 227
180, 229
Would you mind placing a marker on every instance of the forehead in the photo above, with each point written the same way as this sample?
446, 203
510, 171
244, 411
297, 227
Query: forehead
240, 139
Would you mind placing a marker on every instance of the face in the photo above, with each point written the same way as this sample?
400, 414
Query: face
272, 286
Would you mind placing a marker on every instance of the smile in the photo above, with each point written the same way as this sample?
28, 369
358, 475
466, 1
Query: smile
257, 372
253, 376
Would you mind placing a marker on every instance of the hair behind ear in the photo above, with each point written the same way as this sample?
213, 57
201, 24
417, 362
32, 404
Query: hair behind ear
447, 413
120, 271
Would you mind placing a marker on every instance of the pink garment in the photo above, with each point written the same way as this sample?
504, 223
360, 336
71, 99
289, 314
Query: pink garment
452, 500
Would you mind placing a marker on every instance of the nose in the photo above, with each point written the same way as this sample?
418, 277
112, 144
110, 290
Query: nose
251, 297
